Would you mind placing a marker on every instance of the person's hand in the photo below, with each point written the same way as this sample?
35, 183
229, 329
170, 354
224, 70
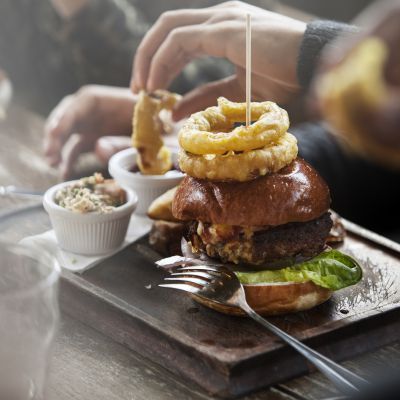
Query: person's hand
80, 120
180, 36
107, 146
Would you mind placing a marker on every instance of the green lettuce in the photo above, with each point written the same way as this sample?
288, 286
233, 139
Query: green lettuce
331, 269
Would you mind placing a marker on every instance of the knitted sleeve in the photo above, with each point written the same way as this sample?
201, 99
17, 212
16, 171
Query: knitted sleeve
318, 33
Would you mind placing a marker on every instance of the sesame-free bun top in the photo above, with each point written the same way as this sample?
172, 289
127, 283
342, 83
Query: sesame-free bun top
296, 193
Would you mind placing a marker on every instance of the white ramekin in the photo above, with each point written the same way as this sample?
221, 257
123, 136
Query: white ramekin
147, 187
90, 233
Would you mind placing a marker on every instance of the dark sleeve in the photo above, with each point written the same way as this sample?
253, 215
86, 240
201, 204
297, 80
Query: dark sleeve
103, 38
351, 178
318, 33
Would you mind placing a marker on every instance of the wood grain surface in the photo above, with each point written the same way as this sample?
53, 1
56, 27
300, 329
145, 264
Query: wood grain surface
233, 356
87, 364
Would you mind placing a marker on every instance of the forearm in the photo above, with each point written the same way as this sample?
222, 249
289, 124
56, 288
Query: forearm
317, 35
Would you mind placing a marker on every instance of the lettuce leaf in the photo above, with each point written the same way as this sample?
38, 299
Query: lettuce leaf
331, 269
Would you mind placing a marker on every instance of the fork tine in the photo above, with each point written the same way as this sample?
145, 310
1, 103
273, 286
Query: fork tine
198, 274
197, 281
199, 267
180, 286
175, 261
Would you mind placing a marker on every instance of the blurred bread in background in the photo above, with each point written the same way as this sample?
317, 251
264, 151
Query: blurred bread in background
358, 89
161, 207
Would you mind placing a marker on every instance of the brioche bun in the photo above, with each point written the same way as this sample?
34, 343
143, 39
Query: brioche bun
296, 193
161, 207
283, 214
165, 237
275, 299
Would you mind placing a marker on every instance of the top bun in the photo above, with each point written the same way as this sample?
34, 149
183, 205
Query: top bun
296, 193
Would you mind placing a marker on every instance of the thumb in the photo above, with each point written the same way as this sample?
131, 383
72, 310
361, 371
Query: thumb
107, 146
76, 145
59, 126
206, 95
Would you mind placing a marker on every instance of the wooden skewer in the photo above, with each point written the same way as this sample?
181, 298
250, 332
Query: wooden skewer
248, 70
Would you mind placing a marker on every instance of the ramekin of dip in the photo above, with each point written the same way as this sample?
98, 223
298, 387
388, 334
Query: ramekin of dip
148, 187
90, 216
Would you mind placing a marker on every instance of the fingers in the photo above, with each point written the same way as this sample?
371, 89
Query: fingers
107, 146
156, 36
206, 95
186, 43
92, 112
65, 120
170, 27
58, 127
77, 144
181, 46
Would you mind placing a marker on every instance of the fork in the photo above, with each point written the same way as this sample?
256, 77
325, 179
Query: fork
15, 191
219, 284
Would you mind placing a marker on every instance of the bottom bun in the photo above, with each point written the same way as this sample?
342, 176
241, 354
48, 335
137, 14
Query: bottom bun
165, 237
275, 299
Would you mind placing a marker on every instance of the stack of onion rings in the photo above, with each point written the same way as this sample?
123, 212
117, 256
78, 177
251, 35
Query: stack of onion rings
212, 148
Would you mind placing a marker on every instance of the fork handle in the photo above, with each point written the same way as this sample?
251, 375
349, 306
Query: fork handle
12, 190
346, 381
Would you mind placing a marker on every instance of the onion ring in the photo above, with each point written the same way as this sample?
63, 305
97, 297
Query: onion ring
210, 131
161, 162
153, 157
243, 166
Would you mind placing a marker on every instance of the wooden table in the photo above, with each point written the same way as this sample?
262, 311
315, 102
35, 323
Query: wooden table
88, 365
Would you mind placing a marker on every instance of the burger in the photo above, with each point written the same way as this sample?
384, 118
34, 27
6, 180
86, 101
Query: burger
251, 203
272, 231
271, 220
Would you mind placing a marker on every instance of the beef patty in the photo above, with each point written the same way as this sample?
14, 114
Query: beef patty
262, 245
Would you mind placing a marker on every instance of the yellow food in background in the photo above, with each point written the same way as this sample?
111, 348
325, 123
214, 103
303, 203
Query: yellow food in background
161, 207
153, 157
357, 83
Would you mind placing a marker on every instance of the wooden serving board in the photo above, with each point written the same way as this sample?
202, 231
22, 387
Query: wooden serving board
230, 356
